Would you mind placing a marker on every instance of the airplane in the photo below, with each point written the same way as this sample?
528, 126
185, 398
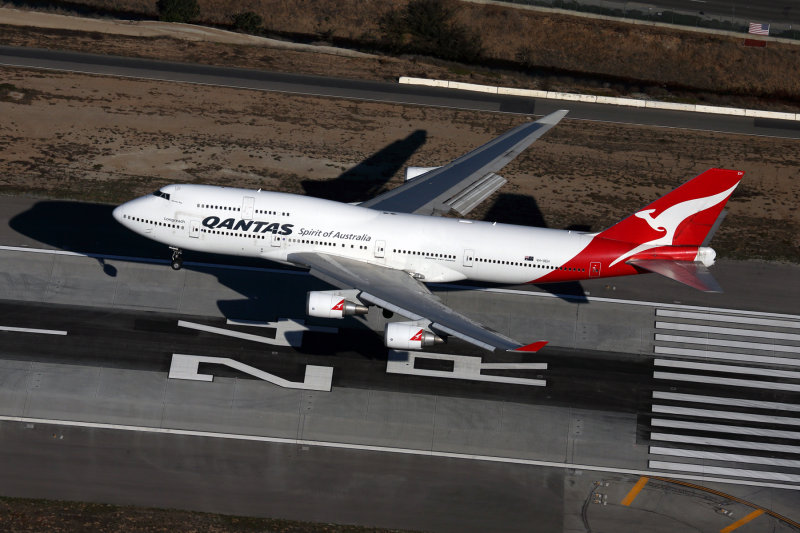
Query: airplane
383, 251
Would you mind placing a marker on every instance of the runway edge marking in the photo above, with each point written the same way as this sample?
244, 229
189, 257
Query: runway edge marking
388, 449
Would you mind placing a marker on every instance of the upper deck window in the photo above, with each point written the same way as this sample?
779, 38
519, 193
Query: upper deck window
161, 194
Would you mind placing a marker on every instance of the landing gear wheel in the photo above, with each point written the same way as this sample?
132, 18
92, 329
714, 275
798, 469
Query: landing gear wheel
177, 260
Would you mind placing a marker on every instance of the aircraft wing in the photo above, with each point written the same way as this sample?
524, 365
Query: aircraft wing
466, 179
398, 292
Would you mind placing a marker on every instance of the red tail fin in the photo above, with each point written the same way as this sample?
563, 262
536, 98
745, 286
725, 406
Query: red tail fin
683, 217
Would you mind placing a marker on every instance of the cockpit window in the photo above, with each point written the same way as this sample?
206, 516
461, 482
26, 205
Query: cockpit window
161, 194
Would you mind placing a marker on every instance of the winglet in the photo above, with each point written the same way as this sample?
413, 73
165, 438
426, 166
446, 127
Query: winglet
532, 347
554, 117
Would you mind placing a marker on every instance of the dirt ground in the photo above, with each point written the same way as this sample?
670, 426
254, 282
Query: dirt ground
566, 53
19, 515
109, 140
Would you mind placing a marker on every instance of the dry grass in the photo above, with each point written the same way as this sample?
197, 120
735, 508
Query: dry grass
639, 58
20, 515
103, 139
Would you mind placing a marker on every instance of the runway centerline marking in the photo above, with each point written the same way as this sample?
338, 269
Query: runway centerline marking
404, 451
33, 330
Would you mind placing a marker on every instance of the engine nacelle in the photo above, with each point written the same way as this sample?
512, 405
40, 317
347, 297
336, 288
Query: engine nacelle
407, 336
413, 172
328, 305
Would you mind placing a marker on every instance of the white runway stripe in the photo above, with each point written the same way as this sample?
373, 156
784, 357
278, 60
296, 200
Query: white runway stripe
729, 331
226, 332
386, 449
32, 330
740, 402
725, 415
717, 456
725, 443
723, 428
719, 470
730, 344
709, 354
772, 385
731, 369
729, 318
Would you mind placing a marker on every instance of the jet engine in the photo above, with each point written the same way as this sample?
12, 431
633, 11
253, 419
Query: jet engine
329, 305
407, 336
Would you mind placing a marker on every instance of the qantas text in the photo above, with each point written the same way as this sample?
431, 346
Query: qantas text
253, 226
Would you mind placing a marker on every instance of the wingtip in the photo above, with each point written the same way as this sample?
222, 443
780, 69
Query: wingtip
532, 347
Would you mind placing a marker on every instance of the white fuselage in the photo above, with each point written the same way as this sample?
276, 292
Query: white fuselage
273, 225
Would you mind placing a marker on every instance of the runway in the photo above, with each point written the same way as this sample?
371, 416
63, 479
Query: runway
599, 414
382, 91
642, 379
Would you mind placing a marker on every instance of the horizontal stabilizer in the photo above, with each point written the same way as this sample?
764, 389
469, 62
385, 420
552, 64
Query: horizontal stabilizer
692, 274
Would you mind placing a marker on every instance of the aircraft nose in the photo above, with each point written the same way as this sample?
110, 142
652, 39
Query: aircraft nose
117, 214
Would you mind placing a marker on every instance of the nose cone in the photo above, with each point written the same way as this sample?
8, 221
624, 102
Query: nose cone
117, 213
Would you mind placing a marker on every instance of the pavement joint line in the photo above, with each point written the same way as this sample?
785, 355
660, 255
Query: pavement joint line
741, 402
695, 378
389, 449
448, 286
33, 330
731, 369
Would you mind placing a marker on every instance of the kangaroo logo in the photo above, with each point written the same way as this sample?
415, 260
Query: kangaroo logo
339, 306
417, 336
672, 217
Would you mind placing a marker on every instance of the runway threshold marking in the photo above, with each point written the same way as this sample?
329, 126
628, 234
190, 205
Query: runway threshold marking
695, 378
637, 488
403, 451
742, 521
33, 330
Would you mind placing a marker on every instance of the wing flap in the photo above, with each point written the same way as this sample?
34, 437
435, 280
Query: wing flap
397, 291
694, 274
427, 193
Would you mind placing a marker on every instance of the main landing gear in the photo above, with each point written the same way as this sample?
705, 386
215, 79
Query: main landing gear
177, 260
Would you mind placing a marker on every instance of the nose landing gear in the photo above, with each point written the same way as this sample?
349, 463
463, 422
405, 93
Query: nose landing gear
177, 260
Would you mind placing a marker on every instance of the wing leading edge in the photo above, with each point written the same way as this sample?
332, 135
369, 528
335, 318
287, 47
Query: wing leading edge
398, 292
428, 194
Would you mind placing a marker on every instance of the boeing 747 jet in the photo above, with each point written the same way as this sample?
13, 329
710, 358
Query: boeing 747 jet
383, 251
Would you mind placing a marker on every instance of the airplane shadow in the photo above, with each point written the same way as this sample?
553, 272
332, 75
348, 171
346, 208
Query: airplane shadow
366, 179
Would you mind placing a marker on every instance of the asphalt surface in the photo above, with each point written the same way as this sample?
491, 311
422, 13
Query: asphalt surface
775, 12
602, 395
383, 91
